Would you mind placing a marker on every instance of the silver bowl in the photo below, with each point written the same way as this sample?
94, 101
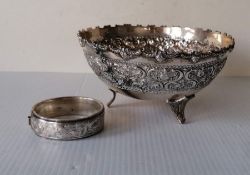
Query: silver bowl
150, 62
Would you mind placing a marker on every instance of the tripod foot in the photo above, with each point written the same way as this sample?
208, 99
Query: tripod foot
113, 98
178, 106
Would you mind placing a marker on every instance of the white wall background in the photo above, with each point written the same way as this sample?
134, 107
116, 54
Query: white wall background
40, 35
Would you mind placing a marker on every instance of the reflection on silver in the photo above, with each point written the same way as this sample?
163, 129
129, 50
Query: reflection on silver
67, 118
150, 62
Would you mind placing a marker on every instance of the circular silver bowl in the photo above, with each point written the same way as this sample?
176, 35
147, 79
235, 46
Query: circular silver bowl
67, 118
150, 62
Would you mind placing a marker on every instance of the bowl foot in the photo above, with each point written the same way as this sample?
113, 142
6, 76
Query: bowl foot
178, 106
113, 98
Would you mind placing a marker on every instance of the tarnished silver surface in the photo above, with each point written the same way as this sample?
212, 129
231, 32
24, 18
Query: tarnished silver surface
67, 118
178, 106
149, 62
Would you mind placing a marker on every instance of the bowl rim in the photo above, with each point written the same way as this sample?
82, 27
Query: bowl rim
89, 36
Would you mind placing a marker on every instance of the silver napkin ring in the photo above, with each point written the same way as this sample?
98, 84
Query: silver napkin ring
67, 118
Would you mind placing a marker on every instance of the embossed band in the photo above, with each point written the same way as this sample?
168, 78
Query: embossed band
67, 118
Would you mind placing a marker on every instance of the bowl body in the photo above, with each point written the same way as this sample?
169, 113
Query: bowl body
155, 62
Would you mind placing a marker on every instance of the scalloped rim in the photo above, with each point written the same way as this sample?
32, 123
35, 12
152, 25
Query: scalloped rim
82, 35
